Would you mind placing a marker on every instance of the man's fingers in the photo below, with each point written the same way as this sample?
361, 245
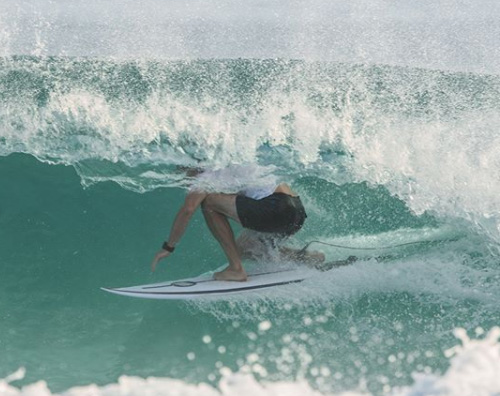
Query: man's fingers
155, 262
157, 258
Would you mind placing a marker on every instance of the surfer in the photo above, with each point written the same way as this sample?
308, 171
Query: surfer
272, 213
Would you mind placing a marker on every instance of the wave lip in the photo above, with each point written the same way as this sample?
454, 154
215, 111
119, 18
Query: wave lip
429, 137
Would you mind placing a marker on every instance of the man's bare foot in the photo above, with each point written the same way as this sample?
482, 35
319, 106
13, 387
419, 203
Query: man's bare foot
311, 258
336, 264
315, 257
231, 275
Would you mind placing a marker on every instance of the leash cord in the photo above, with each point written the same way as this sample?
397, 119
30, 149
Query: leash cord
373, 248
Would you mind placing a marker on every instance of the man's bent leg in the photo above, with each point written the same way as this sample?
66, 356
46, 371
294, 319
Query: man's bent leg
216, 208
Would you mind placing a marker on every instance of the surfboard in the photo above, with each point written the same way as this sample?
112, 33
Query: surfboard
205, 286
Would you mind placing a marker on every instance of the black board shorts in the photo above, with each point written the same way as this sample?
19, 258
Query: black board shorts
278, 213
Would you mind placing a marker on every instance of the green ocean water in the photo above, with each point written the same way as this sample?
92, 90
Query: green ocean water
380, 155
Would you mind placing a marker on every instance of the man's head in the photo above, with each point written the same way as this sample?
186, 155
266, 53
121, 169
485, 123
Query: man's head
190, 171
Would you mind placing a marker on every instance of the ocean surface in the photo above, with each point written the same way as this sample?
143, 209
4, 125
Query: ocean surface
385, 118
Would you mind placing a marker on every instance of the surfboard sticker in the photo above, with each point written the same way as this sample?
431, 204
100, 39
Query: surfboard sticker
205, 286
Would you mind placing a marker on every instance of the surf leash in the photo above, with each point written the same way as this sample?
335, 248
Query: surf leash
372, 248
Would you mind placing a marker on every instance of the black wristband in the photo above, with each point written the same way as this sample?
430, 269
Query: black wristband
167, 248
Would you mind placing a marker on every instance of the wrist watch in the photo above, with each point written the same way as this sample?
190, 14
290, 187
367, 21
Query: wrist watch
168, 248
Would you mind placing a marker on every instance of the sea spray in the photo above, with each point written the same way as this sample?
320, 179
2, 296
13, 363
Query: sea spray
473, 371
428, 137
382, 116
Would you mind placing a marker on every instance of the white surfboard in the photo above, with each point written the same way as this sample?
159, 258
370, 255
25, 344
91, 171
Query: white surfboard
205, 286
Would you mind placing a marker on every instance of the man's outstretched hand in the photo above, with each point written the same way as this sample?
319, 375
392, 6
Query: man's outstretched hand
160, 255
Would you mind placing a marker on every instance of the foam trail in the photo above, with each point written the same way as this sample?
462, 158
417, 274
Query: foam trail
473, 371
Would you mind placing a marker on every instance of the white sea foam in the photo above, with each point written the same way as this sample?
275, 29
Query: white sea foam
446, 164
451, 168
433, 279
236, 178
4, 37
456, 36
425, 270
473, 371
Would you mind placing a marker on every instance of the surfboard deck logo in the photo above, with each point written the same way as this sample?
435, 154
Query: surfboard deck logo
205, 285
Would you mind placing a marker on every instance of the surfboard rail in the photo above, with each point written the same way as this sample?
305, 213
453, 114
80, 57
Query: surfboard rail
205, 285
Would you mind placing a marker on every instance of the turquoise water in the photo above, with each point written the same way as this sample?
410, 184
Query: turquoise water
61, 242
381, 155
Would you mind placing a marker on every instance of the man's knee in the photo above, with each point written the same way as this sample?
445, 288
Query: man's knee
209, 203
221, 203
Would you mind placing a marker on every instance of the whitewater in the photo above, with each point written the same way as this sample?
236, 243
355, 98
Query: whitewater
383, 117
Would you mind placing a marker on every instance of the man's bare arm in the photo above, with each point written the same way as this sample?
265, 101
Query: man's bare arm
192, 202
